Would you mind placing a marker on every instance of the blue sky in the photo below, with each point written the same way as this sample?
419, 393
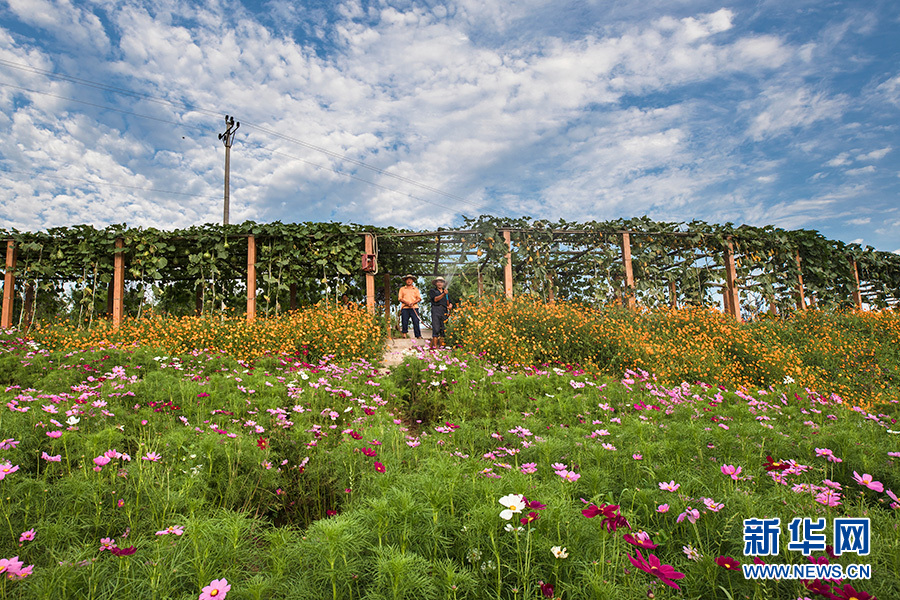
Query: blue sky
414, 113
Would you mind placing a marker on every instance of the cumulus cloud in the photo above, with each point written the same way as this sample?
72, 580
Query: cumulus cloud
456, 107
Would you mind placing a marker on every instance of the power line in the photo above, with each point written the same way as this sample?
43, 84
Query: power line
119, 110
106, 183
118, 90
342, 173
351, 176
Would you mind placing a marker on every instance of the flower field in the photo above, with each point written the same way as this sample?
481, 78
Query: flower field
854, 354
168, 472
314, 332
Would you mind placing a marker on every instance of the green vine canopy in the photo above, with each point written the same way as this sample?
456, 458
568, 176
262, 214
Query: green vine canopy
68, 270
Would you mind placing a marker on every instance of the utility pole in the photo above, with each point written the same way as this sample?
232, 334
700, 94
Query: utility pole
228, 139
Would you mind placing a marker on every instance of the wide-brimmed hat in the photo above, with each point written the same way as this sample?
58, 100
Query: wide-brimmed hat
405, 277
439, 279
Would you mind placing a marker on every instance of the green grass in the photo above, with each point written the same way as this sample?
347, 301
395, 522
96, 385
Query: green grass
299, 511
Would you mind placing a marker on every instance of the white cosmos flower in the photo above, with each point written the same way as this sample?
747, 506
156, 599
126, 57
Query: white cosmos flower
514, 504
73, 420
559, 552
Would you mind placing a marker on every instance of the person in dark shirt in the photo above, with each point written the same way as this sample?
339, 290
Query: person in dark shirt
440, 308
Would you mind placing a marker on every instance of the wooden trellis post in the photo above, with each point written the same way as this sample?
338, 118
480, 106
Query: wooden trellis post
198, 300
507, 268
251, 279
9, 286
673, 295
118, 307
857, 296
370, 276
732, 298
387, 302
628, 293
801, 298
293, 295
28, 307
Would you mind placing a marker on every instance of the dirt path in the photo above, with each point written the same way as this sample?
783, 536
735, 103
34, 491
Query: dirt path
395, 350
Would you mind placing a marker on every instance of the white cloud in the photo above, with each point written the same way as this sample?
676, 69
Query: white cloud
579, 124
788, 110
861, 171
875, 154
840, 160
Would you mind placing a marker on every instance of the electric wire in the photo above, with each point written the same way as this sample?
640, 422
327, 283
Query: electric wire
107, 183
156, 99
332, 169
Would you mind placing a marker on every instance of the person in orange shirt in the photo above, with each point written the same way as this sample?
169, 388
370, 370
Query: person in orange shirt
409, 301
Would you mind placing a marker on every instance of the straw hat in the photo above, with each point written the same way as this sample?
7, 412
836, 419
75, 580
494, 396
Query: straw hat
439, 279
405, 277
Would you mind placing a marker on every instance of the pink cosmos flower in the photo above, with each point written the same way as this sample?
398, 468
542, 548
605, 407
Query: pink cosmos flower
54, 434
692, 514
669, 487
829, 498
151, 456
10, 565
636, 456
7, 468
22, 573
867, 480
216, 590
569, 475
12, 568
559, 466
101, 461
176, 529
8, 444
712, 505
27, 536
49, 458
896, 502
731, 471
528, 468
107, 544
662, 508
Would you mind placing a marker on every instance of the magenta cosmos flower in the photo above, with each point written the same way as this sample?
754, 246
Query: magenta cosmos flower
726, 562
641, 539
653, 566
379, 467
216, 590
27, 536
868, 481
